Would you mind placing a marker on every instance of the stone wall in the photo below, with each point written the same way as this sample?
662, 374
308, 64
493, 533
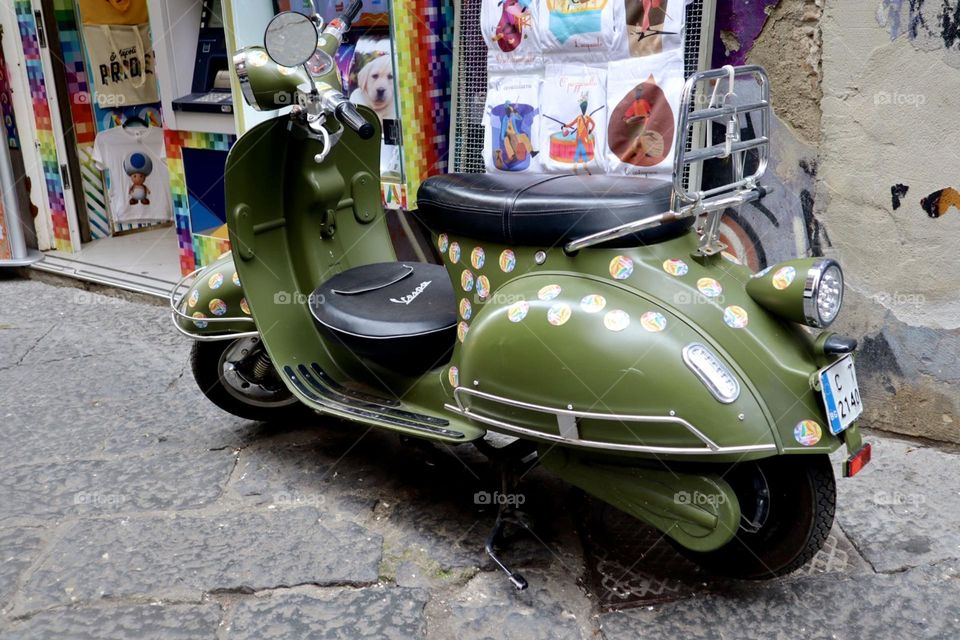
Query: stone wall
867, 95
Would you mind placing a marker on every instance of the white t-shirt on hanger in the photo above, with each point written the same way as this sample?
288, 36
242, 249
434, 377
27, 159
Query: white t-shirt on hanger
139, 182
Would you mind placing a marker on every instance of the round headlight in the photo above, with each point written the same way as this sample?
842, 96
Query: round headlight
823, 293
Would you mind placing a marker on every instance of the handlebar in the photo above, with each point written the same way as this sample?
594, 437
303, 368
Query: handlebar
346, 112
351, 12
348, 115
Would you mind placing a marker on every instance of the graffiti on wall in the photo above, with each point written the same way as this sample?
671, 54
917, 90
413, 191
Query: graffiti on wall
929, 24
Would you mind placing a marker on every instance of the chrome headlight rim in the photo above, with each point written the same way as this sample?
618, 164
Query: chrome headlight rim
811, 291
240, 64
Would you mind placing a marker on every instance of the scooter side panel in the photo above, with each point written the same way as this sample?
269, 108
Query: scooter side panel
706, 298
581, 343
215, 296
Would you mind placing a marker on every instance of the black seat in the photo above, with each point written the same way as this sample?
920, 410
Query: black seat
402, 315
543, 210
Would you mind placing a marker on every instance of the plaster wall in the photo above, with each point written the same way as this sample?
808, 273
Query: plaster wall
867, 95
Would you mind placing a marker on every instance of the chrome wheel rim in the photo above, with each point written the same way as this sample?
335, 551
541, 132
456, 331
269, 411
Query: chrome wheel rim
242, 385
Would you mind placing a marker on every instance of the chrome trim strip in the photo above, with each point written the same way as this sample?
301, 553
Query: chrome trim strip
215, 337
565, 415
608, 446
707, 382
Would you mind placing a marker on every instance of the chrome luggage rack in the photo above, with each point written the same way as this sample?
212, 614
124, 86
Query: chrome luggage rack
710, 203
569, 430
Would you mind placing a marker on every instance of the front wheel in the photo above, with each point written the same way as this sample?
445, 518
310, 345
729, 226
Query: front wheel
238, 376
787, 506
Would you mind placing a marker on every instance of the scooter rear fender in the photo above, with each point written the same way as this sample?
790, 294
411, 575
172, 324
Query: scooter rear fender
213, 307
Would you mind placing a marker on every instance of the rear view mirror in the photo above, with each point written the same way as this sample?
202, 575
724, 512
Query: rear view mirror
291, 39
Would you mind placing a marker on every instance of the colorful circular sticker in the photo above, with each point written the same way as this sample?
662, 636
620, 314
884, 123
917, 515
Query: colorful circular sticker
244, 306
199, 323
559, 314
215, 281
653, 321
483, 287
454, 252
732, 258
478, 257
593, 303
807, 433
616, 320
518, 311
462, 329
236, 278
465, 309
453, 375
763, 272
218, 307
443, 242
783, 277
466, 279
621, 267
540, 257
709, 287
549, 292
194, 297
508, 260
735, 317
675, 267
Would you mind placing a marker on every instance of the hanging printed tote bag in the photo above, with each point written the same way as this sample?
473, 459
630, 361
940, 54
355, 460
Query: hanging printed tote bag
585, 30
510, 123
572, 122
121, 61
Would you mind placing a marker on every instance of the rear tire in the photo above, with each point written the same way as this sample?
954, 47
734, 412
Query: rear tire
787, 505
222, 368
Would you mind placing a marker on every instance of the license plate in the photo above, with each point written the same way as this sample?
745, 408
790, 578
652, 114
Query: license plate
841, 394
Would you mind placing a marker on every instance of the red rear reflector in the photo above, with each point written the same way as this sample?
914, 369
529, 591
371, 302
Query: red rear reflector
856, 462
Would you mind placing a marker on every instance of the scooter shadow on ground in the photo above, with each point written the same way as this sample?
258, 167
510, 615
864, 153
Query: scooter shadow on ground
434, 505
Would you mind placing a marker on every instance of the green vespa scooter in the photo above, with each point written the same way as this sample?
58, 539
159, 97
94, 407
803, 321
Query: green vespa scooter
592, 324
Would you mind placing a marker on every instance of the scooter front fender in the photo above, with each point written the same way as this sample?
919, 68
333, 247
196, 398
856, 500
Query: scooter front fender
213, 306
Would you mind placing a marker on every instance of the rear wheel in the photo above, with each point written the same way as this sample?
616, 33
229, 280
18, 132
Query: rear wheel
787, 506
238, 376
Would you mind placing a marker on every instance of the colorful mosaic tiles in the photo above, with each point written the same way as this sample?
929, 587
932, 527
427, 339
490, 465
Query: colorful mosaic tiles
207, 248
44, 126
423, 31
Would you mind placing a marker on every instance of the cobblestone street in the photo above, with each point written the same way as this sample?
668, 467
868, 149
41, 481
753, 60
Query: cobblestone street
131, 507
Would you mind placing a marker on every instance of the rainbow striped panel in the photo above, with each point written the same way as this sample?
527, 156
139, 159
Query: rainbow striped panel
174, 141
423, 41
41, 113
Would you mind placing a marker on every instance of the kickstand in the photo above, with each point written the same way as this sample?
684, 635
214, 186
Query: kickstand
506, 514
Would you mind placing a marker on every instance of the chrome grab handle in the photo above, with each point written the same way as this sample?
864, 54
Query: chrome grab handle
711, 202
695, 209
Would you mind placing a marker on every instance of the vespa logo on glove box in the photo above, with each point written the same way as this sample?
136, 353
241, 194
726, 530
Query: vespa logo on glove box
410, 297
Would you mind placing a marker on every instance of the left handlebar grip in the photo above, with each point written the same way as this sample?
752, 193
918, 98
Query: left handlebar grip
349, 116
